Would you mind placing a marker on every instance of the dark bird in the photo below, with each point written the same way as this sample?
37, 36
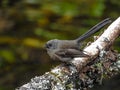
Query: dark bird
66, 50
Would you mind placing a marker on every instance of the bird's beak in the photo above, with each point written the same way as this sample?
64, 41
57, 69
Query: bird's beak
45, 46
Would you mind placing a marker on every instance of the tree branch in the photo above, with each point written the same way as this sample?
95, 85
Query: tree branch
104, 41
83, 73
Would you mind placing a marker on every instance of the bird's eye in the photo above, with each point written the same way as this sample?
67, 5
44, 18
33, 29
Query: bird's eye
50, 45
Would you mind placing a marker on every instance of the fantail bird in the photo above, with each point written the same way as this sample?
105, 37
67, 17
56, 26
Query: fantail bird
66, 50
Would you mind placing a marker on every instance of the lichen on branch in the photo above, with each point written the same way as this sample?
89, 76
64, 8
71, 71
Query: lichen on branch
83, 72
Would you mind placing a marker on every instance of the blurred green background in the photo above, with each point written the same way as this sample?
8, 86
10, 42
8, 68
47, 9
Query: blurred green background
25, 26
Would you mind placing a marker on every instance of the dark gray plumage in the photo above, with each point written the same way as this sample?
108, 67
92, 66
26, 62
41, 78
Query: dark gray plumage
66, 50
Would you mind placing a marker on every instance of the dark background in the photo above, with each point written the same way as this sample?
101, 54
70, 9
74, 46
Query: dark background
25, 26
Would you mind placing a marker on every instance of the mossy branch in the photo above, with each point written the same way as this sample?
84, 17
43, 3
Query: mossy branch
85, 72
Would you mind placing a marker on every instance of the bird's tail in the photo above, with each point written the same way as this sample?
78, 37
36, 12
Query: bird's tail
93, 30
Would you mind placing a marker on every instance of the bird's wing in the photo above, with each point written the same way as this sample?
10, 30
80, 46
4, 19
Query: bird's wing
71, 53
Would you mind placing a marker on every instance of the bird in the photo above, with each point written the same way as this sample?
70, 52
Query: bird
66, 50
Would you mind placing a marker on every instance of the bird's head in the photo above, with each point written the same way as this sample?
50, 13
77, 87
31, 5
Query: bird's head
52, 44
